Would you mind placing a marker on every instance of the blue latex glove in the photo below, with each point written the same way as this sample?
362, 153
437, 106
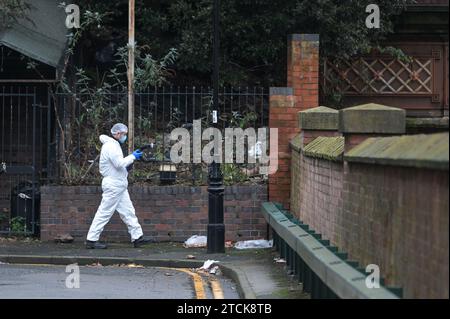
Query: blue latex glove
137, 154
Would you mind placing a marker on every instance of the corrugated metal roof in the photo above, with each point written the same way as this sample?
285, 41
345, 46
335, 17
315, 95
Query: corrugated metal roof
42, 36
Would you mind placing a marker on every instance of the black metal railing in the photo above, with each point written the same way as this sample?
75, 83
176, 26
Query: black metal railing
83, 116
53, 137
23, 156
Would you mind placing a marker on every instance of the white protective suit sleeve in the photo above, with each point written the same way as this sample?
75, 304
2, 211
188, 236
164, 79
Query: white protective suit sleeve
116, 157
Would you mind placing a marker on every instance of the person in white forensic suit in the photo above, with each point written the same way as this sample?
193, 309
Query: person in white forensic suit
113, 168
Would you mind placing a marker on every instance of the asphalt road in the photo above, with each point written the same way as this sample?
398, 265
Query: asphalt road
110, 282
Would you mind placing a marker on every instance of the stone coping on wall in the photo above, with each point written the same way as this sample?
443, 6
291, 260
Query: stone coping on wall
433, 123
296, 143
421, 151
282, 91
328, 148
320, 118
304, 37
372, 119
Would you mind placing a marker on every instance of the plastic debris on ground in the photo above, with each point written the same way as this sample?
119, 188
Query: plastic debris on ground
280, 260
134, 266
127, 265
209, 268
215, 270
196, 242
207, 264
254, 244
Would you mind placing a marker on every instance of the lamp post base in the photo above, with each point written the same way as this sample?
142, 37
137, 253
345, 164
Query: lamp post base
216, 238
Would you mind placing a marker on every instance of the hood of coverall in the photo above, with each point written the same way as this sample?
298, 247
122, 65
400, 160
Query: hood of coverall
105, 139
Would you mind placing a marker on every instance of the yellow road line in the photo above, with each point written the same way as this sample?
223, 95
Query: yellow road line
216, 289
198, 281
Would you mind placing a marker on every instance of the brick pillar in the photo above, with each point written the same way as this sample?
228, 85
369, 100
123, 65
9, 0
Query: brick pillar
370, 120
303, 69
286, 103
282, 115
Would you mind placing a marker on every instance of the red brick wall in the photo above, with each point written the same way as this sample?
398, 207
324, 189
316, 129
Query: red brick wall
394, 217
172, 213
318, 194
295, 183
398, 219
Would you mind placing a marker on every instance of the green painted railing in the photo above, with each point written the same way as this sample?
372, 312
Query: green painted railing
324, 271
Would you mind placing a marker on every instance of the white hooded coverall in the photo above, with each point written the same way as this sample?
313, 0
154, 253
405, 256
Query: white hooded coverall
113, 167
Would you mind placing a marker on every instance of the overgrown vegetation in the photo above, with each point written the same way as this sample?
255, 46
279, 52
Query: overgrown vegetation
96, 102
253, 33
17, 225
99, 106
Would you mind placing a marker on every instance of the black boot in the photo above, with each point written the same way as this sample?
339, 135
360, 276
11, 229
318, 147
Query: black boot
142, 241
95, 245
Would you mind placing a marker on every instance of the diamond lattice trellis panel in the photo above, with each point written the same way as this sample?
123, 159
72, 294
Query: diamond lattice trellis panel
380, 75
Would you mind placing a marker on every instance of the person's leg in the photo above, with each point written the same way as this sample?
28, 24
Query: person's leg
128, 216
110, 200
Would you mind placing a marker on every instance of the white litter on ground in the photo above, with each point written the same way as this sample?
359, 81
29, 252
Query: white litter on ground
196, 241
134, 266
280, 260
254, 244
207, 264
215, 270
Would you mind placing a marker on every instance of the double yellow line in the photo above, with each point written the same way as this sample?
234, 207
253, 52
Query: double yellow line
199, 284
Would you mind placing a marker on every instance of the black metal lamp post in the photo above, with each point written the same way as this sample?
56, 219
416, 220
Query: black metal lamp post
216, 227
